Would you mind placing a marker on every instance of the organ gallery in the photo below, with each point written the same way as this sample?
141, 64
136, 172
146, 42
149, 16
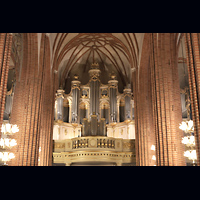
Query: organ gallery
94, 122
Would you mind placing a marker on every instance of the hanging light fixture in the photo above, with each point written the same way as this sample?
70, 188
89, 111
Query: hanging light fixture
9, 129
191, 155
187, 126
189, 140
153, 157
153, 147
7, 143
6, 156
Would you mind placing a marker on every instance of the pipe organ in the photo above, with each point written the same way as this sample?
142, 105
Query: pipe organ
94, 110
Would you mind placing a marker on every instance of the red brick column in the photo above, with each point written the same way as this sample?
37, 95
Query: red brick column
143, 118
25, 111
47, 101
135, 85
158, 103
5, 52
192, 43
167, 103
33, 105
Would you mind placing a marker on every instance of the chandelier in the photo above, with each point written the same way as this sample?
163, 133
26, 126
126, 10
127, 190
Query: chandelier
187, 126
189, 140
6, 156
191, 154
7, 143
9, 129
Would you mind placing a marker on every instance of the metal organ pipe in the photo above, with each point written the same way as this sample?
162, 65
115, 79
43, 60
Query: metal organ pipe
113, 100
94, 97
94, 91
128, 107
59, 106
75, 100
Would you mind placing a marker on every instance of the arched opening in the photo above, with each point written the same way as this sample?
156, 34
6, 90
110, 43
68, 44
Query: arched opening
93, 70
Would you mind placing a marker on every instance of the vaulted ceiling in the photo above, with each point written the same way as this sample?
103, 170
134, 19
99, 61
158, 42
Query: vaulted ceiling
74, 53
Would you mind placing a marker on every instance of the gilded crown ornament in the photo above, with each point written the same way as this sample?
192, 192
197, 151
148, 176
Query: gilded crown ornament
95, 66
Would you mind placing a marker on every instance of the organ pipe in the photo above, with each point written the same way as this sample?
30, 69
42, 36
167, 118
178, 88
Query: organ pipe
94, 90
127, 94
59, 105
113, 99
75, 100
